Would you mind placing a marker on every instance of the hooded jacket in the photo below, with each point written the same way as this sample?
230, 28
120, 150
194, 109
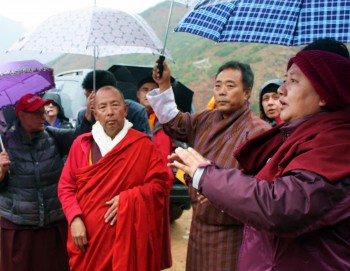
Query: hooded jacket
269, 86
62, 121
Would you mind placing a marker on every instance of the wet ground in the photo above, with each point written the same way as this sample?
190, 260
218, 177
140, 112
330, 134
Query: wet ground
179, 231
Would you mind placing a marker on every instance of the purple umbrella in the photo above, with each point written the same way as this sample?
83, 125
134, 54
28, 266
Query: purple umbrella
18, 78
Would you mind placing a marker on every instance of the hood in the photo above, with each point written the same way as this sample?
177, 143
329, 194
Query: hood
57, 100
269, 86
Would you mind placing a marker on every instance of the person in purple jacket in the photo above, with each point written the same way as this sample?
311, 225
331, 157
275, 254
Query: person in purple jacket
293, 191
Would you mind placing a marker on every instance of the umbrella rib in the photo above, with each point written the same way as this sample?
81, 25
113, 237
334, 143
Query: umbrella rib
296, 23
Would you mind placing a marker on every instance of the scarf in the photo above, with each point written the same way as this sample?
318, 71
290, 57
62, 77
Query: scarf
103, 141
152, 119
320, 144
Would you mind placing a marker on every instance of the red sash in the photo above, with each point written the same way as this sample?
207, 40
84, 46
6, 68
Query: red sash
134, 171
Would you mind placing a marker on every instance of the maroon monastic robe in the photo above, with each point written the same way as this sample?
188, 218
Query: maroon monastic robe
133, 170
312, 146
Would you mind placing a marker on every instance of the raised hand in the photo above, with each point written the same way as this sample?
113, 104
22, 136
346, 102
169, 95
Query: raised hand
164, 80
187, 160
4, 164
89, 105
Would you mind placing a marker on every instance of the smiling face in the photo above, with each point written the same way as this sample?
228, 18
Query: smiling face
229, 92
297, 96
271, 104
110, 110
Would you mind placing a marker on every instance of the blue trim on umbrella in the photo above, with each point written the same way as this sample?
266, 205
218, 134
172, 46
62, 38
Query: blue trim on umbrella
284, 22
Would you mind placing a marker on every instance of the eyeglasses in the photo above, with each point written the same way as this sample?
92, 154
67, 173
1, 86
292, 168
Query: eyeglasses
36, 113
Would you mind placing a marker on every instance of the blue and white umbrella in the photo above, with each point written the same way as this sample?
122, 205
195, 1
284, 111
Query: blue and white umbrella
283, 22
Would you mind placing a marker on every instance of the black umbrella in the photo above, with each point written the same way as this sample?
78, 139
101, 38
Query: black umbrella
129, 76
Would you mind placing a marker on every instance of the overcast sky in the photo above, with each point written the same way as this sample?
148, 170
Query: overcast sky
32, 12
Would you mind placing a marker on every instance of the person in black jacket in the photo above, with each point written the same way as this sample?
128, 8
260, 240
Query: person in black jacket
33, 226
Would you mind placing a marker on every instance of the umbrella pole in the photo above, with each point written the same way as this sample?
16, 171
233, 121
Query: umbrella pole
161, 57
168, 25
94, 70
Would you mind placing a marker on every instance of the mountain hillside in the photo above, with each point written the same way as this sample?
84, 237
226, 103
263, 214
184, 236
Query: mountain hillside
196, 59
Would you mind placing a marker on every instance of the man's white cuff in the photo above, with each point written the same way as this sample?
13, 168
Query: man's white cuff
163, 104
197, 176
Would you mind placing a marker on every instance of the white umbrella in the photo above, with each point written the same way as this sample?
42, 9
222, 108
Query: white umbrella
187, 3
92, 31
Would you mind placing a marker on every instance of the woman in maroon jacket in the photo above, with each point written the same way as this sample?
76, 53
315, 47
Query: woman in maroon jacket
293, 192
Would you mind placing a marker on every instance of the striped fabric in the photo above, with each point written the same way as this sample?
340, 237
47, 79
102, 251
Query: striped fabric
215, 237
283, 22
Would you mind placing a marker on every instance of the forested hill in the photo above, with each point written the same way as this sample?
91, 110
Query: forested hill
196, 59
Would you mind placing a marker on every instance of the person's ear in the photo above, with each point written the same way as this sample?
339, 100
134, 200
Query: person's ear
322, 103
93, 112
138, 95
126, 110
247, 93
20, 114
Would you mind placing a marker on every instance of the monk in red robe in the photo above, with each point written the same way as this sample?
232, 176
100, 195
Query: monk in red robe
112, 191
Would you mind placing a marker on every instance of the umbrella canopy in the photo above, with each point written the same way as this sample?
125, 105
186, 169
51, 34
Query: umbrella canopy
92, 31
283, 22
186, 2
22, 77
129, 76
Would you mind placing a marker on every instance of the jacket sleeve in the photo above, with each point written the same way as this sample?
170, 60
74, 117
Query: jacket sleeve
291, 205
163, 104
80, 117
67, 187
65, 137
176, 124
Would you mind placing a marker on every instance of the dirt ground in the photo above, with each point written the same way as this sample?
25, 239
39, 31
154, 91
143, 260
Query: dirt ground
179, 231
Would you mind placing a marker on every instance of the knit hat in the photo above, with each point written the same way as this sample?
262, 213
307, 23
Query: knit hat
328, 73
30, 103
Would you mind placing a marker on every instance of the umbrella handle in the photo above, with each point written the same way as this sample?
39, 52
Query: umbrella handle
160, 65
2, 144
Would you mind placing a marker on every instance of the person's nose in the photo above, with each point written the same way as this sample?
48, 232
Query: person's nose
223, 90
270, 101
109, 110
282, 91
